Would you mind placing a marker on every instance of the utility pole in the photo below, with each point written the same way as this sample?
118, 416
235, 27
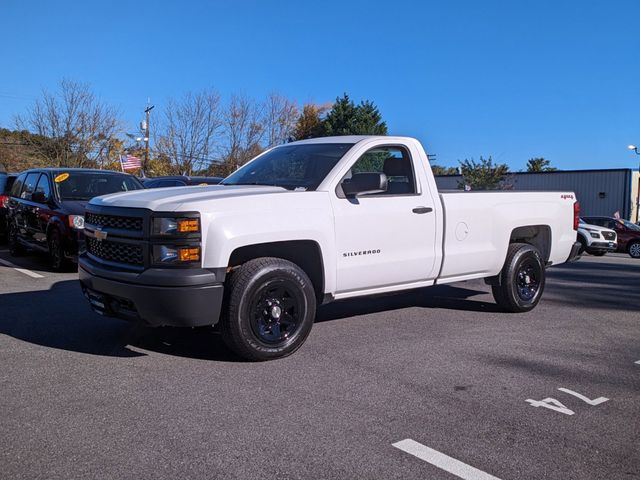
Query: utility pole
635, 149
145, 164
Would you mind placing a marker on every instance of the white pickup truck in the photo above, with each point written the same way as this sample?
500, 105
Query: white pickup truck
310, 222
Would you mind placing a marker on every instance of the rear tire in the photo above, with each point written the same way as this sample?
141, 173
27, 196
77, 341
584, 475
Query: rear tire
634, 250
521, 280
270, 307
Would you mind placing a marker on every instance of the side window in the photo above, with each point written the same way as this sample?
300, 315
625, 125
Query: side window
43, 187
17, 185
394, 162
29, 185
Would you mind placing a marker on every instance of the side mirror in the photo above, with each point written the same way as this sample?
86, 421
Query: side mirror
364, 184
38, 197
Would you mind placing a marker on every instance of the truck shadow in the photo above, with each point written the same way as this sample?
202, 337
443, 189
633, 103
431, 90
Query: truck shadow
61, 318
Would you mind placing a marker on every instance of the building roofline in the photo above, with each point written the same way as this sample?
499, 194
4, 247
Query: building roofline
586, 170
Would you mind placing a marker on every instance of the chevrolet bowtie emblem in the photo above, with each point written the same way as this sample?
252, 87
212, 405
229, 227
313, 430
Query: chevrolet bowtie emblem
100, 235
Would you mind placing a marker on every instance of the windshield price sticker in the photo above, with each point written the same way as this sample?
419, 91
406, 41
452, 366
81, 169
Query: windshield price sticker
61, 178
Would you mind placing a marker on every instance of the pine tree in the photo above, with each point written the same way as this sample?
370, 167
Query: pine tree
347, 118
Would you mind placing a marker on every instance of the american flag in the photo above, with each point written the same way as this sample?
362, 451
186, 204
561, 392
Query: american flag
130, 162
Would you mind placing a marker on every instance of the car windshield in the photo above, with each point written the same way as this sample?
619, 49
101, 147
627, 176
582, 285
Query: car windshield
295, 167
630, 226
86, 185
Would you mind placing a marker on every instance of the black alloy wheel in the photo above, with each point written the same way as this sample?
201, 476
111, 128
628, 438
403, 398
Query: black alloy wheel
276, 311
527, 280
521, 280
269, 309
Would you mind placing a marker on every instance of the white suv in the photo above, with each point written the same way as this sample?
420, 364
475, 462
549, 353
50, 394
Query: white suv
596, 240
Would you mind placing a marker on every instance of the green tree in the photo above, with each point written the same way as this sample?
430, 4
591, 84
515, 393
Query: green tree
439, 170
347, 118
484, 175
540, 164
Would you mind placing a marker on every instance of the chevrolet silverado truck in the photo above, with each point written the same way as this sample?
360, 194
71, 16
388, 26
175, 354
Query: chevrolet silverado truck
310, 222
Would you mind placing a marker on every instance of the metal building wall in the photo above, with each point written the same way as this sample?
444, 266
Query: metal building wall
600, 192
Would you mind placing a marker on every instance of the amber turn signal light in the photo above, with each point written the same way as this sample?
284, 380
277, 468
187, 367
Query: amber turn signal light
189, 254
188, 225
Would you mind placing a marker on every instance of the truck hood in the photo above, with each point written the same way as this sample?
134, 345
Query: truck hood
177, 198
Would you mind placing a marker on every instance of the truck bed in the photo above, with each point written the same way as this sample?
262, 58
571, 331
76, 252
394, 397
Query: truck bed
479, 225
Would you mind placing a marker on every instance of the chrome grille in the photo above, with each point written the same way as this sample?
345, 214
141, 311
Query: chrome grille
115, 251
114, 221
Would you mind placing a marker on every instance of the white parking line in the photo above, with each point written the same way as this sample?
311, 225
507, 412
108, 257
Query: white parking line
637, 362
21, 270
442, 461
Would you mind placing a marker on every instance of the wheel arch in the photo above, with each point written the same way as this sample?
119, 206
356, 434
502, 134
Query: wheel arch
307, 254
538, 236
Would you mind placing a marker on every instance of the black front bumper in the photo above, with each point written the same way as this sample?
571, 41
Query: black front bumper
158, 297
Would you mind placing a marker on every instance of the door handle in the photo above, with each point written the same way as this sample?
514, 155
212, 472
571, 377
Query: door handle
422, 210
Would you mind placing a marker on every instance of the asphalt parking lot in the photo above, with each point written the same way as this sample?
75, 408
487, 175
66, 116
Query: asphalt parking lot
403, 386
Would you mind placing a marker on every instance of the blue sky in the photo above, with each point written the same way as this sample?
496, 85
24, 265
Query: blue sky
512, 79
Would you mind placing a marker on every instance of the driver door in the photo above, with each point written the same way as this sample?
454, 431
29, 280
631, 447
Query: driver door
389, 238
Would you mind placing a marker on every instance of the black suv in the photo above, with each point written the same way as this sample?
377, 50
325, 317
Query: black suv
6, 182
46, 208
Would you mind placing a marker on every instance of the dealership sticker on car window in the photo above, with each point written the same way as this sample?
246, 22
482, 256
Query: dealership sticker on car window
61, 178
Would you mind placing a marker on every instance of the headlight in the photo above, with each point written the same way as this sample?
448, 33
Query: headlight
175, 226
174, 255
594, 235
76, 221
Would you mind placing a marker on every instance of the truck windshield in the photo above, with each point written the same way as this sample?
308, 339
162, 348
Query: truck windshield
86, 185
295, 167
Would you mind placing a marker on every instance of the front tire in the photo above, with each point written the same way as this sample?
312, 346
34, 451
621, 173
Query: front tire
598, 253
270, 309
634, 250
57, 260
521, 280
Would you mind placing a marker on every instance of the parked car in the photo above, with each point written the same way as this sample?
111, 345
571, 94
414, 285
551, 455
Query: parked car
314, 221
628, 233
596, 240
179, 181
46, 209
6, 182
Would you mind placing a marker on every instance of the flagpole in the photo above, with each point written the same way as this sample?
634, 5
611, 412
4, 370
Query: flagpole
121, 164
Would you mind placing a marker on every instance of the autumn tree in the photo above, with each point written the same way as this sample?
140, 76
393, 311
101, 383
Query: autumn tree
309, 123
540, 164
484, 175
190, 130
73, 127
